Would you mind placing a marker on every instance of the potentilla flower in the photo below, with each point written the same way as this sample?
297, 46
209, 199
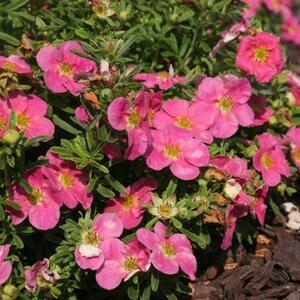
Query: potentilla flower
40, 275
39, 206
14, 64
5, 266
262, 113
102, 8
89, 252
164, 208
184, 116
277, 5
291, 30
30, 111
270, 159
181, 152
260, 55
225, 99
294, 81
60, 67
70, 184
168, 253
122, 261
164, 80
135, 118
293, 137
129, 206
251, 11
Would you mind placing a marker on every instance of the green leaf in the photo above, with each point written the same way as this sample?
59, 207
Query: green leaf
9, 39
18, 241
25, 185
105, 192
133, 292
115, 184
16, 4
64, 125
154, 280
12, 204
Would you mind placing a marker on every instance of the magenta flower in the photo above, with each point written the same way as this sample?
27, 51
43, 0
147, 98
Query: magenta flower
225, 99
277, 5
129, 206
30, 111
293, 137
291, 30
164, 80
14, 64
5, 266
181, 152
61, 66
184, 115
39, 206
262, 113
135, 118
260, 55
270, 159
89, 252
70, 184
168, 253
122, 261
39, 275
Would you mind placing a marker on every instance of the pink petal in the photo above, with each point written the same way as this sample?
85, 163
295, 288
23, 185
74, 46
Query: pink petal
5, 271
244, 114
36, 106
225, 126
4, 250
147, 238
38, 127
183, 170
162, 263
117, 112
47, 58
157, 161
187, 263
176, 108
92, 263
54, 81
196, 153
137, 143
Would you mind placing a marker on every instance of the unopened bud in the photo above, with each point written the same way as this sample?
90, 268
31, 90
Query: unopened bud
11, 136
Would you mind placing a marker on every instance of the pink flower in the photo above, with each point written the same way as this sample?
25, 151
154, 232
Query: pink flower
184, 115
5, 266
258, 206
129, 206
225, 99
293, 137
30, 111
277, 5
4, 118
251, 11
39, 205
60, 67
262, 113
39, 275
14, 64
168, 253
135, 118
260, 55
231, 166
89, 252
294, 81
181, 152
121, 262
70, 184
270, 159
291, 30
163, 79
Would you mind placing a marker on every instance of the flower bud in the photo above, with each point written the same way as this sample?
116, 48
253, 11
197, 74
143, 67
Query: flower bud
9, 292
11, 136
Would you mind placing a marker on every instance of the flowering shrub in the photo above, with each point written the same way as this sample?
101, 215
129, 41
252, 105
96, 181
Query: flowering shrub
138, 139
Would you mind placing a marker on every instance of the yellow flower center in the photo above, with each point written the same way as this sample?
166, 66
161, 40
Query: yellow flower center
41, 281
134, 118
65, 69
276, 3
292, 30
168, 250
102, 6
130, 264
150, 117
254, 201
129, 202
184, 122
22, 120
163, 75
261, 54
91, 238
66, 180
297, 154
36, 196
266, 161
2, 123
172, 151
225, 104
9, 66
165, 210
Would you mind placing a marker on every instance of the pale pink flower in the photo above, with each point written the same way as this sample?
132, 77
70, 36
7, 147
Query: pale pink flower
5, 266
169, 253
39, 206
262, 113
225, 99
184, 115
291, 30
129, 206
89, 252
122, 261
14, 64
180, 151
260, 55
30, 111
277, 5
293, 137
40, 274
60, 67
70, 184
270, 159
164, 80
251, 11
